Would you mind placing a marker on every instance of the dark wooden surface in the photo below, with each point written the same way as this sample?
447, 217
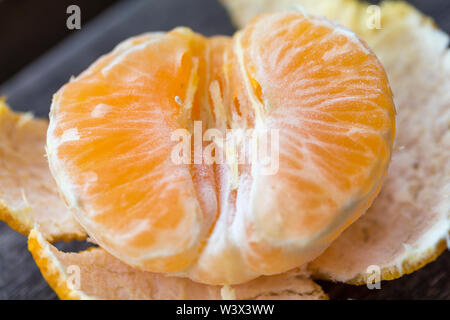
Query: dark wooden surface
32, 89
28, 28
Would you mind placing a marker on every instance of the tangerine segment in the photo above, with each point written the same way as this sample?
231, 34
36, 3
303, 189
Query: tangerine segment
314, 83
109, 146
329, 97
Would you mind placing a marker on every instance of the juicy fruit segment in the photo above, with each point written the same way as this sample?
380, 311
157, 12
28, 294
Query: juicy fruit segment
127, 131
333, 102
109, 146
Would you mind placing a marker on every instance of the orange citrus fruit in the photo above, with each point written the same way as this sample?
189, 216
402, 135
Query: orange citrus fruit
110, 146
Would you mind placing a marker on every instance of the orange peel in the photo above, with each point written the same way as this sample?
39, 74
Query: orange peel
95, 274
28, 193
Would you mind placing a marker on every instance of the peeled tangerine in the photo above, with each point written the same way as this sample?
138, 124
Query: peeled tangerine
110, 146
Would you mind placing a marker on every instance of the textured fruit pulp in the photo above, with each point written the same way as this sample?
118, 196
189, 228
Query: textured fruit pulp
109, 146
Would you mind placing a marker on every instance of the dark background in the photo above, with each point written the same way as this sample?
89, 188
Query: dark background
38, 54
